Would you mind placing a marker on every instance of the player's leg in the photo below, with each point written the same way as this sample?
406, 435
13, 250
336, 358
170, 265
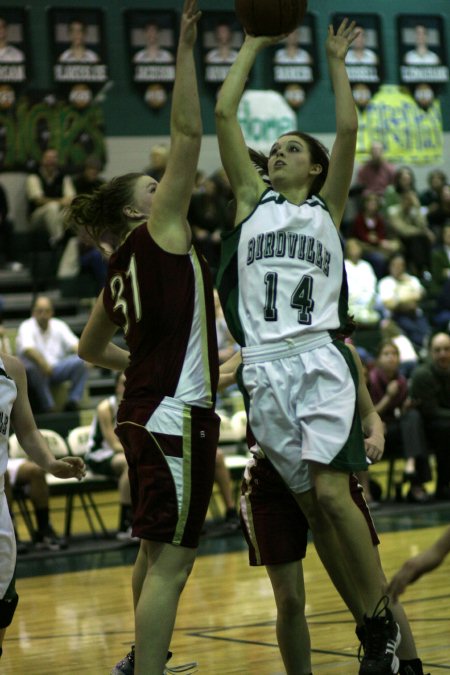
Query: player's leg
292, 628
167, 570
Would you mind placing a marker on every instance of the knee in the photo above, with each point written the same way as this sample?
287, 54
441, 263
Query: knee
290, 604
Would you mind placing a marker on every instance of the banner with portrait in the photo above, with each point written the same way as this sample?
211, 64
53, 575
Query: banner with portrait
14, 57
79, 53
221, 37
295, 62
410, 134
152, 43
422, 56
364, 60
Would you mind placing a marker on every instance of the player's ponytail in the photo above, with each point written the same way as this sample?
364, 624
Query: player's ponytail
100, 216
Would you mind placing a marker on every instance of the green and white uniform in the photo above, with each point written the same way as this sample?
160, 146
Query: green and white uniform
283, 290
8, 394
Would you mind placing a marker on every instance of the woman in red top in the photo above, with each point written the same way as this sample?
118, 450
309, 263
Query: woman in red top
403, 423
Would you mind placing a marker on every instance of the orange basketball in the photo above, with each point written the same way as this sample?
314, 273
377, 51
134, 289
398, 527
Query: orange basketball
270, 17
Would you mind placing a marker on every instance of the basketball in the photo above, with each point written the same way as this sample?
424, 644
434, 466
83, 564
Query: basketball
270, 17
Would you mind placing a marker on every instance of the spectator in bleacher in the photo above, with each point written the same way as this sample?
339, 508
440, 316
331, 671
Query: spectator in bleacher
6, 234
402, 421
81, 255
48, 349
410, 225
430, 388
49, 191
429, 198
408, 355
106, 455
404, 181
206, 216
159, 154
375, 174
440, 213
440, 280
401, 294
370, 229
362, 285
31, 478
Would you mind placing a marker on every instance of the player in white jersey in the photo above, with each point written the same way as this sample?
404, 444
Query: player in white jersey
15, 410
282, 287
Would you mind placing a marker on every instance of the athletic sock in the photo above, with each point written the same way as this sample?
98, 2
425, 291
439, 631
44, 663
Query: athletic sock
42, 517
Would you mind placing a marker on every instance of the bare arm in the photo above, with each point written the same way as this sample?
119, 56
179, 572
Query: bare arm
29, 436
337, 184
424, 562
370, 419
245, 181
167, 222
95, 343
227, 371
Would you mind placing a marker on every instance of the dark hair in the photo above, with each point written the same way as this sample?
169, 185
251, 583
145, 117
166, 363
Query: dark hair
400, 170
102, 212
319, 155
386, 342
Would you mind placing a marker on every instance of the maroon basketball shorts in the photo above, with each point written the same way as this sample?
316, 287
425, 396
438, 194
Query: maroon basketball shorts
170, 449
273, 523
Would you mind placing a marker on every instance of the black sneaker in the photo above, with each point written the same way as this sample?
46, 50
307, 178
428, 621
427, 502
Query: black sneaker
48, 540
126, 666
381, 640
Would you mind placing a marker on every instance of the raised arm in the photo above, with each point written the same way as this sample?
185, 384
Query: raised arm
167, 222
337, 184
245, 181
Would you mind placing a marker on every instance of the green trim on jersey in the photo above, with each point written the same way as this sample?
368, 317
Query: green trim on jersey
227, 283
352, 457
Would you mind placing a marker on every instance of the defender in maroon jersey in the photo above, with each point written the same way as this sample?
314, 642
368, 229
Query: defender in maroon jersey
159, 292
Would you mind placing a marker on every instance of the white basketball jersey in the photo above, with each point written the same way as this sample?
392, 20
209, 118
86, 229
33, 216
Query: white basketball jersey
8, 394
290, 271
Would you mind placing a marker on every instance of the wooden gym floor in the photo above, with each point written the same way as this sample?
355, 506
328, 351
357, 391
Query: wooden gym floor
75, 610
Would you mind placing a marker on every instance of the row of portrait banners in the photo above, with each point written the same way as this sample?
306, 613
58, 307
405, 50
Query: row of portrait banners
80, 53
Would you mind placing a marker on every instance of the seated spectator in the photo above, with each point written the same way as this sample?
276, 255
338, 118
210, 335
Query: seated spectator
408, 355
375, 174
159, 155
30, 477
370, 229
206, 216
48, 192
78, 255
362, 285
89, 179
223, 479
402, 421
48, 349
401, 294
6, 235
404, 181
429, 198
440, 213
106, 455
439, 287
430, 389
410, 226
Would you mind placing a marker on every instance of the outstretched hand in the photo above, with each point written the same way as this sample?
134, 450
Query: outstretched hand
262, 41
68, 467
337, 44
189, 19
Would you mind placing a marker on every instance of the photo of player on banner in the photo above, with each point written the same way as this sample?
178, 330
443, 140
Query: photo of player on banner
294, 63
222, 36
79, 50
151, 39
14, 64
364, 60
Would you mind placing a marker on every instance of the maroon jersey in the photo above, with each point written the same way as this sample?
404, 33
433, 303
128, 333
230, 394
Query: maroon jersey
164, 304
